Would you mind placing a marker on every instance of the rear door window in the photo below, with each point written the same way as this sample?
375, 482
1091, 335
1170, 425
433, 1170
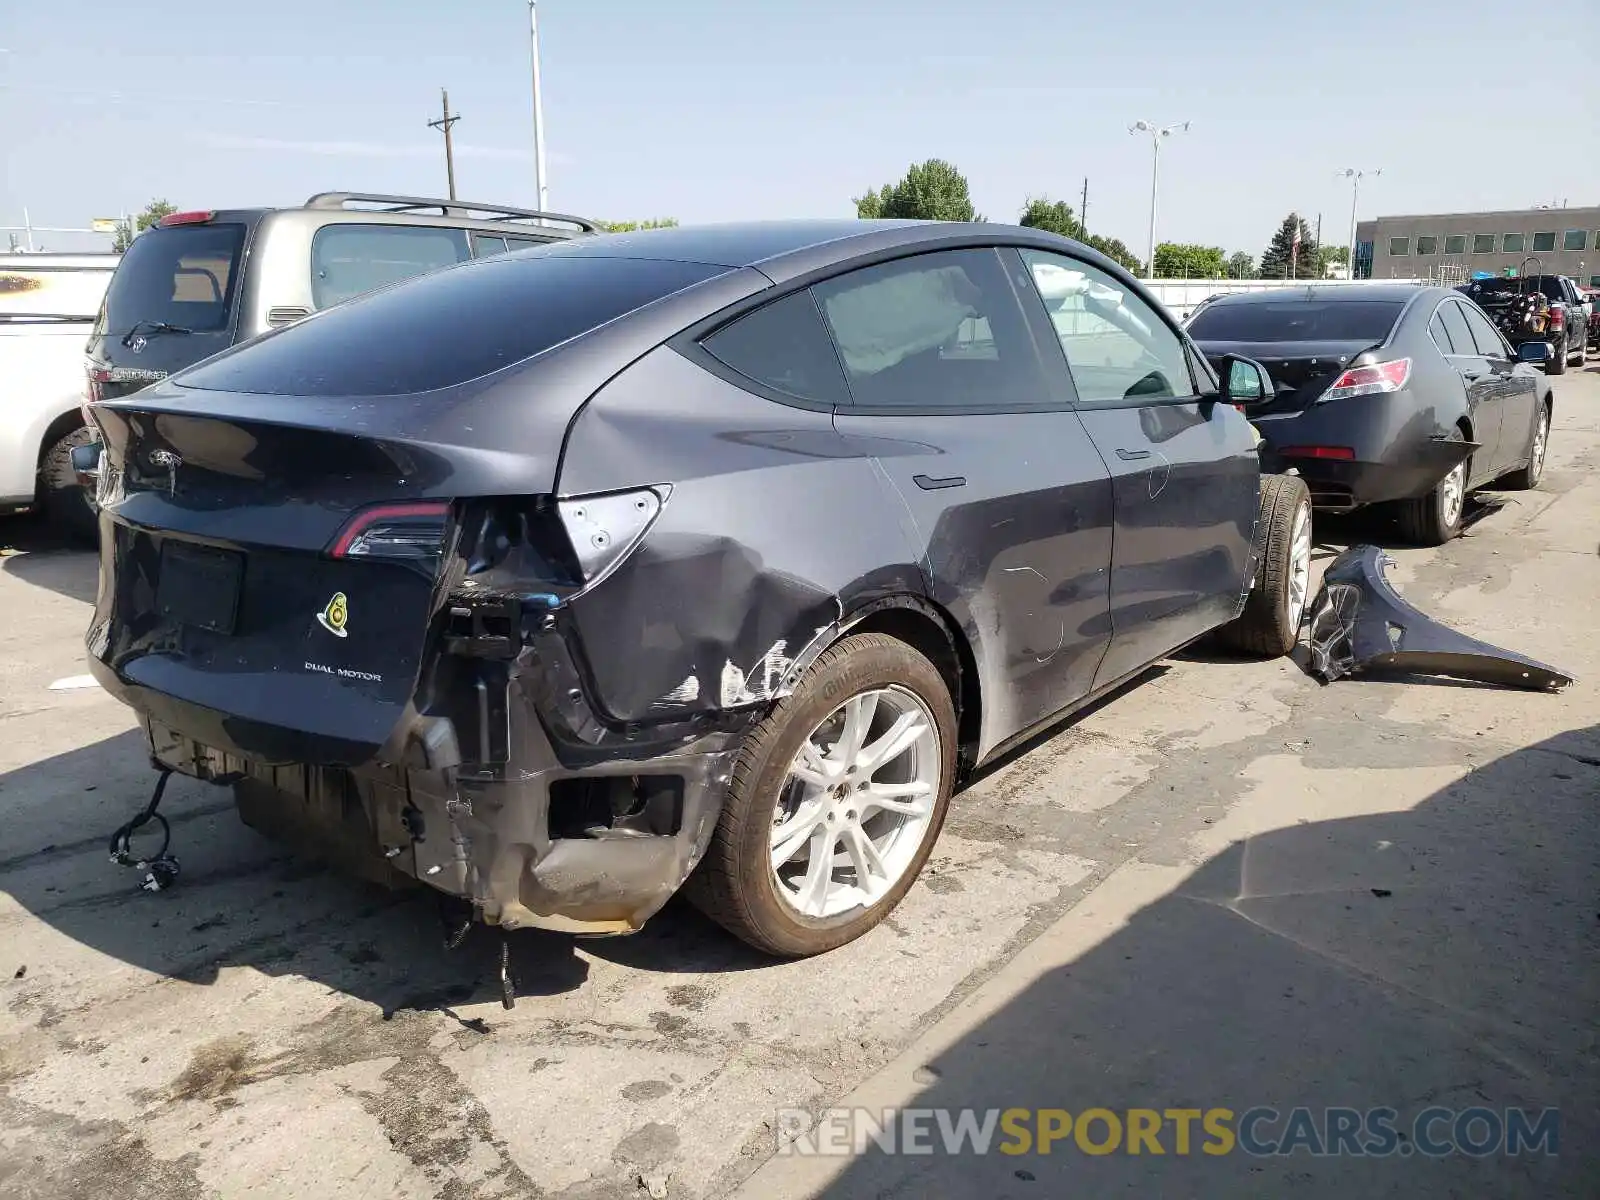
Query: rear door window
1297, 321
347, 260
1441, 337
934, 331
185, 276
1484, 334
447, 328
783, 346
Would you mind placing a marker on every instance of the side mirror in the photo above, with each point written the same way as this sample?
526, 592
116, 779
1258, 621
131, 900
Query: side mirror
86, 464
1244, 381
1537, 353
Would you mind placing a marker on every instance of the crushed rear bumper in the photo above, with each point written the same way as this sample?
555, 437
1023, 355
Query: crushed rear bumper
1359, 623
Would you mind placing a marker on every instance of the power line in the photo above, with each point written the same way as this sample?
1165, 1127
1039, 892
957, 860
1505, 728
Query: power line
444, 123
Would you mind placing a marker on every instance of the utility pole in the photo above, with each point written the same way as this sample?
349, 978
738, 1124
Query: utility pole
1083, 212
1319, 242
539, 185
444, 123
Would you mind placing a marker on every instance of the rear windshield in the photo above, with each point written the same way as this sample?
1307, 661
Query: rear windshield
446, 328
1296, 321
184, 276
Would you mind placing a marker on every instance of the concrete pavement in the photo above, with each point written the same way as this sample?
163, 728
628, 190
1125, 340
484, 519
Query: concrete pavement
1175, 902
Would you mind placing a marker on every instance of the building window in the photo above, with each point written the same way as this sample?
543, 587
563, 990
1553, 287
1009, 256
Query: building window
1573, 239
1427, 245
1543, 243
1483, 243
1399, 246
1594, 281
1511, 243
1456, 244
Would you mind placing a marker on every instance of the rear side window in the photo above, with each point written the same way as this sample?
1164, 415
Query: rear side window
784, 346
185, 276
939, 330
1297, 321
1484, 333
1441, 337
446, 328
347, 260
1455, 324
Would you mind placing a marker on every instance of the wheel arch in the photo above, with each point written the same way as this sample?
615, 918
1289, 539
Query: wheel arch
934, 634
57, 429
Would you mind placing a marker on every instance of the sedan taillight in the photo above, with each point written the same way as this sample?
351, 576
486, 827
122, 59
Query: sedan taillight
406, 531
1366, 381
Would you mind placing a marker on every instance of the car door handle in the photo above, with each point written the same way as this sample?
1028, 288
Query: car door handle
1132, 455
1473, 376
929, 483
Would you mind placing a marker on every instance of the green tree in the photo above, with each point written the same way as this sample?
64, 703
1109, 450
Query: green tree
630, 226
1275, 262
1054, 215
1241, 265
1330, 256
931, 191
1178, 260
128, 230
1114, 249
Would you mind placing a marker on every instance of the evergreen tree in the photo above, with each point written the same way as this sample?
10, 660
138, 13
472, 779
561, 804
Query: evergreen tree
1307, 263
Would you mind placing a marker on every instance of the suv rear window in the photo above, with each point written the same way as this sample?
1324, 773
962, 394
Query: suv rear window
184, 276
446, 328
1296, 321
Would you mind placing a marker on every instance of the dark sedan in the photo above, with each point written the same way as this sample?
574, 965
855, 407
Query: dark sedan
1389, 393
558, 579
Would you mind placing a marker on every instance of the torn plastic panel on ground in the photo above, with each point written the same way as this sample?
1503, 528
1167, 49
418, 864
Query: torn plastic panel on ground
1359, 623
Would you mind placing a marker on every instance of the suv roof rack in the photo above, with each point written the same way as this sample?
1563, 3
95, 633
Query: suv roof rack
465, 209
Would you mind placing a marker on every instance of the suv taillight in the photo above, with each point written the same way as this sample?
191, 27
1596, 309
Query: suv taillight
1365, 381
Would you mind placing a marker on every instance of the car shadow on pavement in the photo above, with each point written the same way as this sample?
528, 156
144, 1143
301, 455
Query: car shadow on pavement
1444, 955
243, 900
32, 552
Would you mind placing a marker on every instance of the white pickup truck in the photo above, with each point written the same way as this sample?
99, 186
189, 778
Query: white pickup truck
48, 304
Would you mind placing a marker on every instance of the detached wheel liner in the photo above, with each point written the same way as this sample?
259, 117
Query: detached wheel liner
804, 789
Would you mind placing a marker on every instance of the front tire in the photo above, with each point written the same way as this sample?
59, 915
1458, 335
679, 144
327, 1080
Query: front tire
1270, 623
834, 803
1435, 519
1528, 478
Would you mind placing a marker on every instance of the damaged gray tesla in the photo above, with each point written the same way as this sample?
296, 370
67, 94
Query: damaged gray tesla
713, 556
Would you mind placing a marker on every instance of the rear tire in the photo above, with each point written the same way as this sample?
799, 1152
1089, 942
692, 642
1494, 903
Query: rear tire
1558, 361
1538, 449
1435, 519
1270, 623
737, 884
67, 508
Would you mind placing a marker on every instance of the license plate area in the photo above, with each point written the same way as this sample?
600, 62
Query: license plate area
199, 586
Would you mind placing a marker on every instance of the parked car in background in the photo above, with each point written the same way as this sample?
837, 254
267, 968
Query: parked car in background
47, 308
1545, 308
199, 282
1389, 394
716, 554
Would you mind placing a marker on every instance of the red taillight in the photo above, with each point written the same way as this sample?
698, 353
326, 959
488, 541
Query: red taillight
186, 218
1558, 318
1344, 453
1365, 381
413, 530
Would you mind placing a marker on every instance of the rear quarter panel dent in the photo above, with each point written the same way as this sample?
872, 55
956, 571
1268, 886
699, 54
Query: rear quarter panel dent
775, 529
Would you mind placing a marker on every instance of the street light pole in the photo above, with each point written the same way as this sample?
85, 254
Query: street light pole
538, 110
1354, 176
1156, 134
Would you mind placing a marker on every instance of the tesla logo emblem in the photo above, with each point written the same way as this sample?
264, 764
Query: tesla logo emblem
333, 617
137, 345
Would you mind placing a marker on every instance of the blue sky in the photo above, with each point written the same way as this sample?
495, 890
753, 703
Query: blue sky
713, 109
